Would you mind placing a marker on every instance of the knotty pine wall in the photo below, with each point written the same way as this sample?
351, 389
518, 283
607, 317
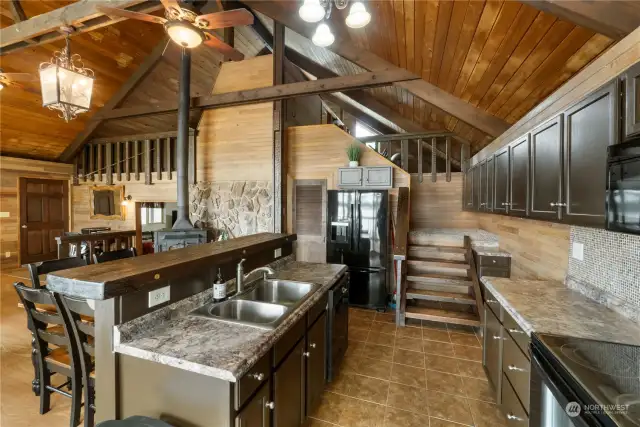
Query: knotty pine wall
10, 170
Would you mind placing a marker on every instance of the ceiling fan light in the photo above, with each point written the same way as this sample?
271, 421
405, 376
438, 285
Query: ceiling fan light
1, 86
184, 34
323, 36
358, 16
311, 11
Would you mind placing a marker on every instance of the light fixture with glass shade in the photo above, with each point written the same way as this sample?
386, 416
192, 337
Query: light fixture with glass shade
184, 33
312, 11
323, 36
66, 84
358, 16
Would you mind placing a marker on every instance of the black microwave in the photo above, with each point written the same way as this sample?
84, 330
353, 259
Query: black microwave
623, 187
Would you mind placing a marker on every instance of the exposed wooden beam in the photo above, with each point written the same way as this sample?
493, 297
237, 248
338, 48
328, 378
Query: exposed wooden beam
614, 19
136, 78
82, 15
264, 94
432, 94
360, 115
16, 11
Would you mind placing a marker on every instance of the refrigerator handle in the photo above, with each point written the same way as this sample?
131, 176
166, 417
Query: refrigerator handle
352, 226
358, 222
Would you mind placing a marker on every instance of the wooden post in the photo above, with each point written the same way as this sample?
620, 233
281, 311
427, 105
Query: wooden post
76, 168
434, 163
279, 149
420, 161
119, 161
448, 158
100, 162
404, 155
158, 153
91, 162
167, 157
136, 160
109, 161
147, 161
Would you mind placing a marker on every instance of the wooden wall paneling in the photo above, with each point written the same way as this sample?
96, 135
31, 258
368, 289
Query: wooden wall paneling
193, 159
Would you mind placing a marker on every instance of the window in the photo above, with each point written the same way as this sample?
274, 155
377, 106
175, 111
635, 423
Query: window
362, 131
152, 215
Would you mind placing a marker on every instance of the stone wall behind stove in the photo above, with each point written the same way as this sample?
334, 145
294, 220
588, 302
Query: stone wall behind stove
239, 207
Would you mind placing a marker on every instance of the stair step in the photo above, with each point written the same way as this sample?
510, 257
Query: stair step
437, 248
436, 282
442, 315
443, 296
436, 262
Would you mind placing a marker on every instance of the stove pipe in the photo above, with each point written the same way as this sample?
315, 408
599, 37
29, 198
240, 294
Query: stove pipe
182, 146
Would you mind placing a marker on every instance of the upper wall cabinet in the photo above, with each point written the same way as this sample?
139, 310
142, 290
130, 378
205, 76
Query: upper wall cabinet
501, 179
632, 100
483, 186
490, 180
546, 171
468, 190
590, 127
519, 177
477, 180
375, 177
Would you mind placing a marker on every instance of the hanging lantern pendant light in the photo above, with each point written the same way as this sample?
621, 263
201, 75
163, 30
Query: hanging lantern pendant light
67, 86
317, 10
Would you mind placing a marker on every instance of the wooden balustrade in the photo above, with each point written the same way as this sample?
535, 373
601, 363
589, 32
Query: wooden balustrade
127, 158
107, 241
400, 247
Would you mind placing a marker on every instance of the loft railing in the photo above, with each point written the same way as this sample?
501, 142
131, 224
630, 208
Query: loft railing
408, 151
142, 157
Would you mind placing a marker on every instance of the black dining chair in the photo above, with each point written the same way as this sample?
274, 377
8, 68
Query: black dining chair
54, 350
114, 255
82, 334
45, 267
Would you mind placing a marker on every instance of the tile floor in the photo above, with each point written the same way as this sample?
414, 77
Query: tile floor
423, 375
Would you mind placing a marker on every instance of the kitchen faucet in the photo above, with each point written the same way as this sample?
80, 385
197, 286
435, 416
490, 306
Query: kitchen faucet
241, 277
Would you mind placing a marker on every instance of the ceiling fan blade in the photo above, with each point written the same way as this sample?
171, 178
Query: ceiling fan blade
114, 11
170, 4
22, 77
224, 48
228, 18
26, 89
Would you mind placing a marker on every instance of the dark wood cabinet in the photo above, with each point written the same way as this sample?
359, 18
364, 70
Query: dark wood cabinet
257, 413
490, 189
546, 171
289, 389
519, 177
468, 190
589, 128
316, 366
483, 186
631, 79
477, 179
501, 179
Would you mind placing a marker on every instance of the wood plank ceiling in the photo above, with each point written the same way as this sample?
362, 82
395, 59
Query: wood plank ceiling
501, 56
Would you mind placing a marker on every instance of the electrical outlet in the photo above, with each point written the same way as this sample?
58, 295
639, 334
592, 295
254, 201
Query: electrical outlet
159, 296
577, 251
277, 253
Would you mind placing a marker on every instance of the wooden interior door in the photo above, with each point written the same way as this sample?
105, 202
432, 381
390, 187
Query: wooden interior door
309, 219
44, 215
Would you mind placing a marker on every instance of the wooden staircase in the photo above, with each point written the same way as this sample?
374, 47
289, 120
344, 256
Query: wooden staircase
439, 284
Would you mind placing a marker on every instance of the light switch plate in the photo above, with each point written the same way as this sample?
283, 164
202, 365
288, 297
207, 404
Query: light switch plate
159, 296
7, 254
277, 253
5, 214
577, 251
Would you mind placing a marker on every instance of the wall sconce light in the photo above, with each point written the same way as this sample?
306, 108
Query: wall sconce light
126, 200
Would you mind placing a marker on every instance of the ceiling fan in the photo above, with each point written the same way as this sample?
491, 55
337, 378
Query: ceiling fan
12, 79
188, 29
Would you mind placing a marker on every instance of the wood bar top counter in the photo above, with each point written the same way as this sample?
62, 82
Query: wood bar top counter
116, 278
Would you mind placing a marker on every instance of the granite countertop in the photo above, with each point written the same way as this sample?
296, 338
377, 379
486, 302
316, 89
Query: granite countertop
550, 307
210, 347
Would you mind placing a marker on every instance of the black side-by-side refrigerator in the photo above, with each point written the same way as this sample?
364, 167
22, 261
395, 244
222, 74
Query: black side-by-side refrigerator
357, 237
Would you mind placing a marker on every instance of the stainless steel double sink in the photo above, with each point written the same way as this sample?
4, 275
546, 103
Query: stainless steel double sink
265, 304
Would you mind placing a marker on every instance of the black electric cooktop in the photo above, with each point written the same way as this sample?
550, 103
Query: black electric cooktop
608, 373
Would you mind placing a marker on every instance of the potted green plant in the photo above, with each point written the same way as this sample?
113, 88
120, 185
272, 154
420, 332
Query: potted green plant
353, 153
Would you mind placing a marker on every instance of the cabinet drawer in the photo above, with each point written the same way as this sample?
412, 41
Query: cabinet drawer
494, 261
516, 366
494, 272
519, 336
317, 309
493, 304
511, 407
252, 380
288, 341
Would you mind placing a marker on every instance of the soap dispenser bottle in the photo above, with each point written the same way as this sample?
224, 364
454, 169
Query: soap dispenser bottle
219, 289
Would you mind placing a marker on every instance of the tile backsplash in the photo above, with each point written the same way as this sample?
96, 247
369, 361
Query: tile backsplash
609, 271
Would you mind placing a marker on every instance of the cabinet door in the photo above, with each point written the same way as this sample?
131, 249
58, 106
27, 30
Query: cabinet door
501, 181
491, 171
316, 366
482, 196
257, 412
519, 177
476, 188
378, 177
492, 349
589, 128
468, 190
289, 389
546, 170
632, 100
350, 177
